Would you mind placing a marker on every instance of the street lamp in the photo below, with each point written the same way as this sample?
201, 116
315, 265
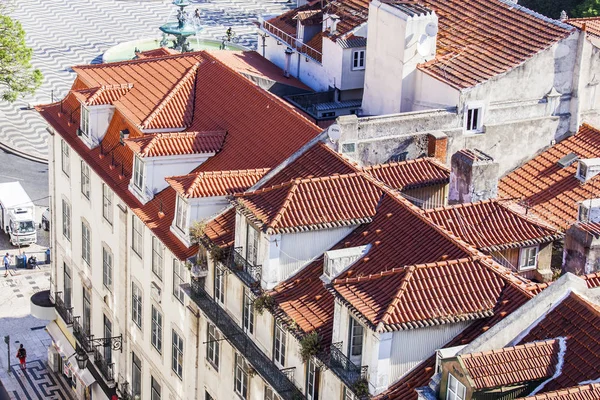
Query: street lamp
82, 359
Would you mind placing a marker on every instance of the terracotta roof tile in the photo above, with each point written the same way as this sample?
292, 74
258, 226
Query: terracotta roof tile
552, 192
592, 280
103, 95
217, 183
221, 229
177, 143
512, 365
410, 174
160, 52
592, 25
583, 392
492, 226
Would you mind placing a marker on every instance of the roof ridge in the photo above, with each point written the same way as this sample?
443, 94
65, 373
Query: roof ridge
405, 162
283, 208
139, 60
537, 343
339, 156
160, 106
410, 272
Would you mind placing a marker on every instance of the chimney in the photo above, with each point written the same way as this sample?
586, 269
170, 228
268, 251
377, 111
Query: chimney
473, 177
334, 22
437, 145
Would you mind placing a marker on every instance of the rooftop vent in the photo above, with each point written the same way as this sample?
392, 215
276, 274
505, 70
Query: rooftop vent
567, 160
587, 169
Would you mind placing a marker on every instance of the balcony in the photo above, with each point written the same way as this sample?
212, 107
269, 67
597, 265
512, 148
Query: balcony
249, 273
66, 313
105, 368
81, 336
345, 369
276, 378
292, 42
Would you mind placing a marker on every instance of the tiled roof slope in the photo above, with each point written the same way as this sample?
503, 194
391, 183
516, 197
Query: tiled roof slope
221, 229
491, 225
512, 365
577, 320
592, 25
216, 183
410, 174
551, 191
583, 392
424, 295
259, 119
177, 143
592, 280
313, 203
103, 95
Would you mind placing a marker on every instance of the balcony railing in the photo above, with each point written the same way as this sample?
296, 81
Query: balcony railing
234, 334
81, 336
66, 313
292, 42
249, 273
105, 368
345, 369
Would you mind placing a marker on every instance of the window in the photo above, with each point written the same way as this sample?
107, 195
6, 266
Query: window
348, 148
251, 244
358, 60
87, 312
178, 279
528, 258
85, 121
136, 305
155, 389
213, 346
270, 394
312, 380
107, 267
68, 286
157, 257
107, 206
356, 341
181, 215
247, 312
86, 243
66, 217
177, 359
85, 179
473, 119
157, 323
138, 173
136, 375
328, 114
107, 334
207, 396
456, 390
137, 230
348, 395
219, 284
279, 344
65, 157
240, 384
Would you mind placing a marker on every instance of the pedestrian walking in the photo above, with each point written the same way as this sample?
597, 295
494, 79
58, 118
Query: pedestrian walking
6, 262
22, 356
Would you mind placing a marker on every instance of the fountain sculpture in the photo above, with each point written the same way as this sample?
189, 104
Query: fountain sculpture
183, 28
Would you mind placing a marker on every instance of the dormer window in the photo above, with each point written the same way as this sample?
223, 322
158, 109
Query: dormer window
84, 126
138, 173
181, 215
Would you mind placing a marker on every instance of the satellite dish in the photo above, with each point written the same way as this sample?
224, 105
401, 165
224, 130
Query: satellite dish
431, 29
334, 132
424, 45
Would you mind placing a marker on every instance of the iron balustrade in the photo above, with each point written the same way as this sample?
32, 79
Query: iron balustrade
292, 42
249, 273
345, 369
81, 336
266, 368
66, 313
105, 368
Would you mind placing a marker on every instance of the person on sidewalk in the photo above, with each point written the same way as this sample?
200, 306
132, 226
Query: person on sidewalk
22, 356
6, 262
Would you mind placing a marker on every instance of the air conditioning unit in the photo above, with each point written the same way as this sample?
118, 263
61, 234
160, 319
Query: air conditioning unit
587, 169
589, 211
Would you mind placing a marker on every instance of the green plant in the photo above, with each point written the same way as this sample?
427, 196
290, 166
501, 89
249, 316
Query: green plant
361, 387
197, 231
264, 302
310, 345
217, 253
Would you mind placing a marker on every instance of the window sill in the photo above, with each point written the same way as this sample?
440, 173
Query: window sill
136, 253
212, 364
524, 269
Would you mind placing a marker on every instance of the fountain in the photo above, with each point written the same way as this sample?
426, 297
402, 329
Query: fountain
177, 34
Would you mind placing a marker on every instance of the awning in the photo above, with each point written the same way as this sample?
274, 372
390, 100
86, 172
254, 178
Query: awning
60, 340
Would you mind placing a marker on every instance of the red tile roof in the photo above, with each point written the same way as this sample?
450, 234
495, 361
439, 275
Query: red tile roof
221, 229
103, 95
216, 183
592, 280
512, 365
577, 320
223, 100
177, 143
552, 192
410, 174
313, 203
592, 25
492, 225
583, 392
160, 52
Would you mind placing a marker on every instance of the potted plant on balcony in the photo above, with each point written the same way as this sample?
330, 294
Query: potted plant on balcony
310, 345
361, 388
197, 231
264, 302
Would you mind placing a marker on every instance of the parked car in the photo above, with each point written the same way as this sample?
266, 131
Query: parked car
46, 219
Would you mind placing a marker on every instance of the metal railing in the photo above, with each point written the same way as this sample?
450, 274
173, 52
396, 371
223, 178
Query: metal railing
249, 273
293, 42
345, 369
105, 368
234, 334
66, 313
81, 336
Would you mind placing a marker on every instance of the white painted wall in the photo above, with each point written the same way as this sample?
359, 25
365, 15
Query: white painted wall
99, 118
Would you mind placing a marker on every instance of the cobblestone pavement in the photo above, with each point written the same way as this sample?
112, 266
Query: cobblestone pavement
64, 33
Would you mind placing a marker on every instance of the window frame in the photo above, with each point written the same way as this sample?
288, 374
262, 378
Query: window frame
179, 278
107, 328
138, 173
107, 267
65, 158
359, 59
213, 345
86, 187
155, 394
158, 251
279, 344
86, 243
86, 315
252, 244
270, 393
453, 393
241, 370
156, 329
248, 317
137, 235
67, 289
177, 348
219, 282
107, 203
473, 122
524, 250
136, 386
181, 214
85, 121
312, 384
137, 305
66, 219
354, 324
